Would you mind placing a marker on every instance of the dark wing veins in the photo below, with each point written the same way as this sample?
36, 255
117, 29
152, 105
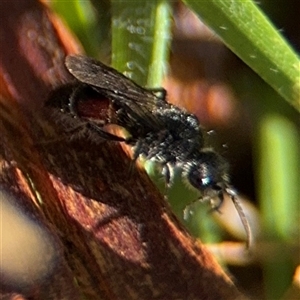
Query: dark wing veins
136, 102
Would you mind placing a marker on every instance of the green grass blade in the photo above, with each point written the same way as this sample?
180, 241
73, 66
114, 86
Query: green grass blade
250, 35
140, 39
279, 178
82, 19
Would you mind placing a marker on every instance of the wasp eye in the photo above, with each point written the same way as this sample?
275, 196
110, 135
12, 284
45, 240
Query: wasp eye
206, 181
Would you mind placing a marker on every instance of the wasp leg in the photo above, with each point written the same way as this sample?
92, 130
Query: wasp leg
161, 92
104, 134
215, 207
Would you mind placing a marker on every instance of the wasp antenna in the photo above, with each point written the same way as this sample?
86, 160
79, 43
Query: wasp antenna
233, 195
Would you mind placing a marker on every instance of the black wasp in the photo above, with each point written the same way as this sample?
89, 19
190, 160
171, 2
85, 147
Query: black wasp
158, 130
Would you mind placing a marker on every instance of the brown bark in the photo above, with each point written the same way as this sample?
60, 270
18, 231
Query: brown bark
115, 235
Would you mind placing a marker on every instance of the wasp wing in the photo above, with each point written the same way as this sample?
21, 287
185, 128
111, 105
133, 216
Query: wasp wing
137, 102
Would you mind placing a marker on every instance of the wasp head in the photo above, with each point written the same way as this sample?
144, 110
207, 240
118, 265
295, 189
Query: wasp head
207, 171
